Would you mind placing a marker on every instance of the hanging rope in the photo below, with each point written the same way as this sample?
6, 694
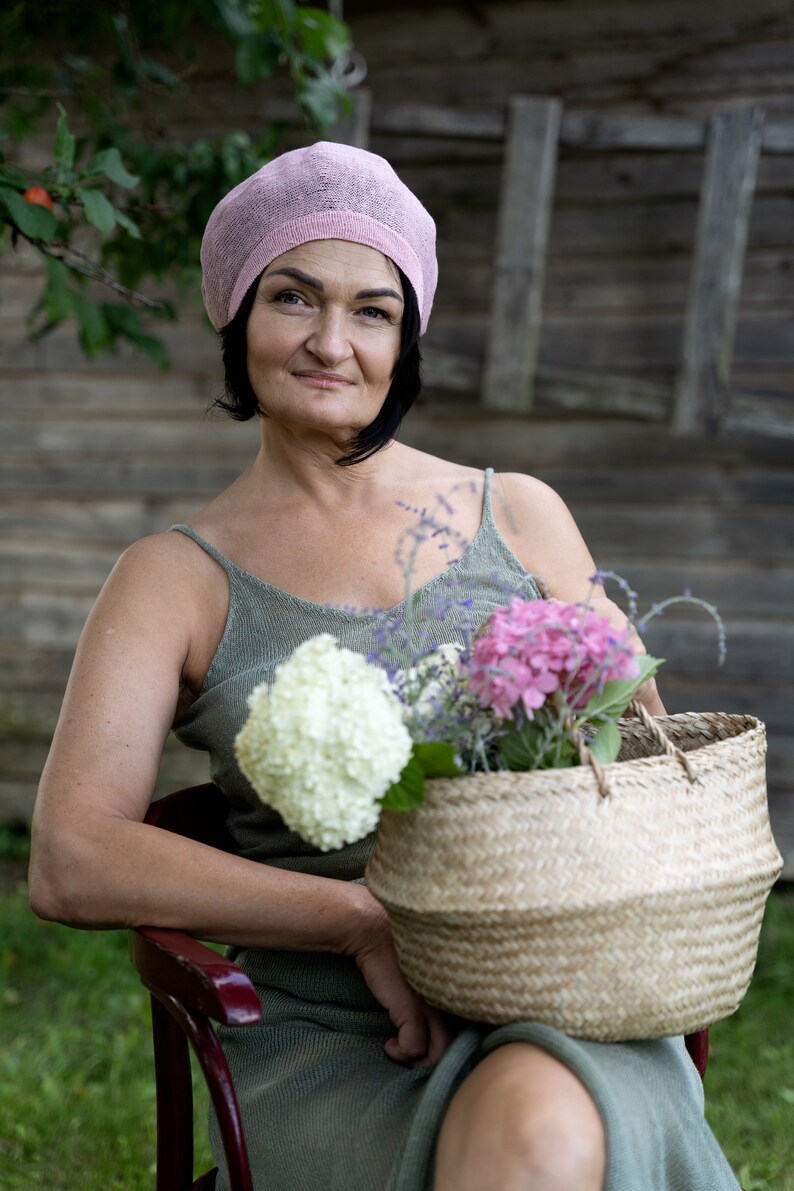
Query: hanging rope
350, 68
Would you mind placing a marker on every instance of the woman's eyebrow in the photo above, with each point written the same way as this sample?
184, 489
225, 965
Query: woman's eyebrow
378, 293
299, 275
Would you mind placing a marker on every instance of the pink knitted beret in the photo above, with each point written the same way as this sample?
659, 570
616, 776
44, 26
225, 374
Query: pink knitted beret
324, 192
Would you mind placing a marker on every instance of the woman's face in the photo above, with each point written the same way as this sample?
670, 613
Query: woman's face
324, 335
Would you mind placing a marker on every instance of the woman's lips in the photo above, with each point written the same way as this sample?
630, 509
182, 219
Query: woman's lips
324, 380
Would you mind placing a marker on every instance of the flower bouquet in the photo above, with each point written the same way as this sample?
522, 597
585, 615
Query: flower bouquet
540, 856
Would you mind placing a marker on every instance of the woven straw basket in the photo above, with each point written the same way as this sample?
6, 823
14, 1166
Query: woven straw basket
635, 914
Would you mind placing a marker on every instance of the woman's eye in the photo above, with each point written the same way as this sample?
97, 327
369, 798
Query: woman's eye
289, 298
374, 312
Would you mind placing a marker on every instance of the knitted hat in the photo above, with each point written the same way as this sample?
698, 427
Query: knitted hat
324, 192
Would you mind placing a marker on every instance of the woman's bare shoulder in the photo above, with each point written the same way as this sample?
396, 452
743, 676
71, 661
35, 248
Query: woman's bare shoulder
163, 575
526, 505
538, 526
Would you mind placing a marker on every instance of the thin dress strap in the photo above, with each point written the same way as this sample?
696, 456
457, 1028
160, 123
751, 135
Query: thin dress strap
487, 509
228, 566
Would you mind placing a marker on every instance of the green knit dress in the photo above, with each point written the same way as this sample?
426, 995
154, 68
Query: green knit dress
324, 1109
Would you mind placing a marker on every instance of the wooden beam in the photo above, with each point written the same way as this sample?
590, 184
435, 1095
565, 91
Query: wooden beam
579, 130
624, 396
726, 197
527, 194
748, 414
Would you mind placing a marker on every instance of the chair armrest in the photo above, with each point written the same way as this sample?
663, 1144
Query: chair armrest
177, 965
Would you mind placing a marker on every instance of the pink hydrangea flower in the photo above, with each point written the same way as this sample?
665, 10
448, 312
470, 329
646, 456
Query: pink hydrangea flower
536, 647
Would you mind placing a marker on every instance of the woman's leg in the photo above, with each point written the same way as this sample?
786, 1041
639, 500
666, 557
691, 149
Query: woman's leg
521, 1122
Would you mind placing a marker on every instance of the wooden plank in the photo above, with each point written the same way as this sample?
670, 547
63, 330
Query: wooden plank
31, 565
579, 129
82, 519
757, 651
535, 29
674, 484
723, 221
217, 439
559, 389
711, 692
642, 345
630, 286
748, 414
765, 536
519, 266
29, 671
115, 476
517, 443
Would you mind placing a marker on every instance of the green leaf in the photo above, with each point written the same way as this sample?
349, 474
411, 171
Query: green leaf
323, 36
58, 303
64, 143
129, 225
257, 56
98, 209
437, 759
159, 73
11, 176
322, 99
236, 20
109, 163
94, 335
616, 695
124, 321
519, 748
605, 745
408, 791
35, 222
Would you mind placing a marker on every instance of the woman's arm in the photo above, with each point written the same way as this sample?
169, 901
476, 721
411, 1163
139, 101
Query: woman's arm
538, 526
95, 863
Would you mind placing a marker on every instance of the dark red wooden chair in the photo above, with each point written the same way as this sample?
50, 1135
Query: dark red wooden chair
192, 986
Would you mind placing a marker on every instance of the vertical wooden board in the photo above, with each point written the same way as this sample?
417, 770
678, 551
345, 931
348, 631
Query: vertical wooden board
522, 236
354, 129
726, 196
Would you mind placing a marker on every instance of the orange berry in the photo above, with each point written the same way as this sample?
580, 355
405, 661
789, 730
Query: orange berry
38, 197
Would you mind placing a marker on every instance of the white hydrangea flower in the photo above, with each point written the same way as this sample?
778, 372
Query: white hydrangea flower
324, 743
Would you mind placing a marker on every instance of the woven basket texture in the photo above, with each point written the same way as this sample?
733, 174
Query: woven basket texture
530, 896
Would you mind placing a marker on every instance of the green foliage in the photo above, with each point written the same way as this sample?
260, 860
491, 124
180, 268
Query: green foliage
427, 760
127, 185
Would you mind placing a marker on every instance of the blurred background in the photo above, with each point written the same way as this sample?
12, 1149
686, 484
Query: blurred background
613, 184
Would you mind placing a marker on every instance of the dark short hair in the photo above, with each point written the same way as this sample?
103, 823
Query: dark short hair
240, 401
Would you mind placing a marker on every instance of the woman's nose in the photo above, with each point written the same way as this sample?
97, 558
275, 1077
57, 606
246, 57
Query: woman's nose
329, 340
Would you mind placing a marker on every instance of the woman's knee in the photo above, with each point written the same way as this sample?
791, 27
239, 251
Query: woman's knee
521, 1121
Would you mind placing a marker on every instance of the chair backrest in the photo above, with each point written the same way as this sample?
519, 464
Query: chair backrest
190, 985
199, 812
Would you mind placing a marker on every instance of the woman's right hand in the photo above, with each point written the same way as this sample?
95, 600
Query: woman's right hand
423, 1033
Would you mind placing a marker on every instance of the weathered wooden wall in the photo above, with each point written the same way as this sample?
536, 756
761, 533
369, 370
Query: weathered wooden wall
95, 454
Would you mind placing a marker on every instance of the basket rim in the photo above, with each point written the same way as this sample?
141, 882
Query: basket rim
471, 787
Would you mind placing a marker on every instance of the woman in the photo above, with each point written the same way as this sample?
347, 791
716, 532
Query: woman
319, 272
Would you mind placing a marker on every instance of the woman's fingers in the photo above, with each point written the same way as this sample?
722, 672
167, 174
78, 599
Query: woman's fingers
422, 1033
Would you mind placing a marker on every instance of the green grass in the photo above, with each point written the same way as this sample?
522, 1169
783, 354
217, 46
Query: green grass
750, 1080
76, 1090
76, 1080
